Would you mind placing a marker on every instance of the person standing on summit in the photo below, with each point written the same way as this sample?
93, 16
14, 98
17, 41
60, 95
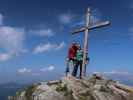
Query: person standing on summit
79, 61
71, 58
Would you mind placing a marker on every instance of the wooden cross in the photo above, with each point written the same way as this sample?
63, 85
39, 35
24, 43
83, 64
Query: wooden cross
88, 26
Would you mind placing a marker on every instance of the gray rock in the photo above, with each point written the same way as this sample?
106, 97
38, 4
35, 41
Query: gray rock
70, 88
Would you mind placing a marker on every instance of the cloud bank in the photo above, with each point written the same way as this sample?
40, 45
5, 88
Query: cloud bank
48, 47
47, 32
46, 69
5, 56
25, 71
11, 40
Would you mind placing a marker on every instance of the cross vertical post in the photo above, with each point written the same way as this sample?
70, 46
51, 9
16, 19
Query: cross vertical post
86, 36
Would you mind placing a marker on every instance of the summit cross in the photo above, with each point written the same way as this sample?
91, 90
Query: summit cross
88, 26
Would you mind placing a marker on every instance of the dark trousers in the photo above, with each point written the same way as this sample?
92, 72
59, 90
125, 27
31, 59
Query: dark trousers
75, 70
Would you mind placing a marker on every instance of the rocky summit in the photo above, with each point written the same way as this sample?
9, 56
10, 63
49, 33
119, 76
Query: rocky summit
70, 88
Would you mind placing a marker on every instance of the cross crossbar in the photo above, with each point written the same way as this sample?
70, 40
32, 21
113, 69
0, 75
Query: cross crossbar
91, 27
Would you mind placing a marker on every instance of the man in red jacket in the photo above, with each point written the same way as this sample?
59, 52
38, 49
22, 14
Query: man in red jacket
71, 57
72, 51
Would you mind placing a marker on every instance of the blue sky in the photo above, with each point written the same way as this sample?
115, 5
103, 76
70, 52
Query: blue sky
35, 36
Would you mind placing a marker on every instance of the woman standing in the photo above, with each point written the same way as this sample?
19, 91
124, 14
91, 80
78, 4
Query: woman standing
79, 60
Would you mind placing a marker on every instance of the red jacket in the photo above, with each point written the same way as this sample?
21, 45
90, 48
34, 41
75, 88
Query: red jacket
72, 52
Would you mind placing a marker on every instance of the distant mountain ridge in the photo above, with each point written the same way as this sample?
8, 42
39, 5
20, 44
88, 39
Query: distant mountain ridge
122, 78
10, 88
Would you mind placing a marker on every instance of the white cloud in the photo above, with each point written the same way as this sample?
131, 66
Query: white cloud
36, 72
11, 39
43, 48
96, 72
5, 56
43, 32
66, 18
60, 46
24, 70
48, 47
46, 69
1, 19
51, 68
